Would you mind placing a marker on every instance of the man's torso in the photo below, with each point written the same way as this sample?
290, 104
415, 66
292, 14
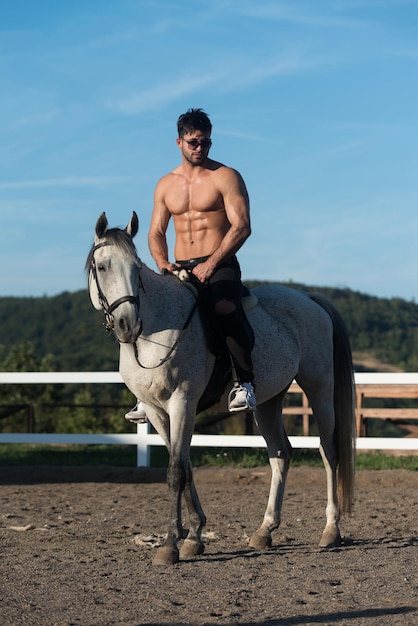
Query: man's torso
198, 211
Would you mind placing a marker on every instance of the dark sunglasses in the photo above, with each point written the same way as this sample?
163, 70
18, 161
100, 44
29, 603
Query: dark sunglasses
195, 143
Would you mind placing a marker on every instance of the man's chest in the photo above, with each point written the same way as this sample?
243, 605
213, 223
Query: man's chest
196, 196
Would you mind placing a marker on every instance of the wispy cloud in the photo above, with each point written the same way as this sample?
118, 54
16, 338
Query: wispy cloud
163, 93
308, 14
326, 152
292, 62
44, 117
245, 136
113, 40
408, 53
239, 72
81, 181
373, 4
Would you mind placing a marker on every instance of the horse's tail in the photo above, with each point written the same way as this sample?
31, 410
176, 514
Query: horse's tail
344, 405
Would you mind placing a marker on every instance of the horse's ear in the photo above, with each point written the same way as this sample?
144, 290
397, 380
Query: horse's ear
132, 227
101, 226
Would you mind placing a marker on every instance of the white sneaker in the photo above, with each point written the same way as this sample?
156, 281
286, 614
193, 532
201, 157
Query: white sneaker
242, 398
137, 414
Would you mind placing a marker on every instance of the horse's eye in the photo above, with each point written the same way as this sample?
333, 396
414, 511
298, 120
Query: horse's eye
101, 268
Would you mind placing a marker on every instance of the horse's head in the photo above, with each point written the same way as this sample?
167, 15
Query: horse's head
114, 282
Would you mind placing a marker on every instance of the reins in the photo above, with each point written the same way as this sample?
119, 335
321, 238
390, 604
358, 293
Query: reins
173, 347
109, 308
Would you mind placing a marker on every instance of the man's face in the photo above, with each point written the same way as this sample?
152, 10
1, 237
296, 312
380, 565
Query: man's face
195, 147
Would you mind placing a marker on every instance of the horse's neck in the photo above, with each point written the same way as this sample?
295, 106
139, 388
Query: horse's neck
164, 296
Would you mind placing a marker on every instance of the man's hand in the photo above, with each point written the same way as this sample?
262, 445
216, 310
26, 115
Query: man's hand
168, 268
203, 271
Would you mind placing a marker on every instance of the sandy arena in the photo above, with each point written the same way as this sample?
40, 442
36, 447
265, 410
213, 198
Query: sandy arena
77, 544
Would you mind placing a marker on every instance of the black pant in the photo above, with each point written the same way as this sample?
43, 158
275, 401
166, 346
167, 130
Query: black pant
234, 328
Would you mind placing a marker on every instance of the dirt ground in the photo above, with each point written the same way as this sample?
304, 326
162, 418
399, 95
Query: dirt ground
76, 546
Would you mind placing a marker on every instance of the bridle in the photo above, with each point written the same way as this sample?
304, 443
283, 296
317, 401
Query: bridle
109, 308
173, 347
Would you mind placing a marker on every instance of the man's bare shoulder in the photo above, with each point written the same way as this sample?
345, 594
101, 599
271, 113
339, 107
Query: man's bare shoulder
222, 171
167, 179
225, 175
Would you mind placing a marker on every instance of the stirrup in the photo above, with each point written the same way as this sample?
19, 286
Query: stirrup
137, 414
242, 398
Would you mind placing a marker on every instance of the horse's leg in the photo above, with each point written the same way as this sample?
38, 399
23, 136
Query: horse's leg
270, 425
181, 430
168, 553
331, 535
193, 544
322, 402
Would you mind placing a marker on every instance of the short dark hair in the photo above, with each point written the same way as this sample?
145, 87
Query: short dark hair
194, 119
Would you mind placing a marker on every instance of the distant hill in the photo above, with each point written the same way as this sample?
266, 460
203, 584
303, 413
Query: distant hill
65, 326
383, 332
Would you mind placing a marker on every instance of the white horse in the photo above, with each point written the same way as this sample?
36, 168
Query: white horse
165, 362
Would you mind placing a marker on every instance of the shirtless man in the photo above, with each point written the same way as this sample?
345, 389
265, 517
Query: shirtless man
209, 205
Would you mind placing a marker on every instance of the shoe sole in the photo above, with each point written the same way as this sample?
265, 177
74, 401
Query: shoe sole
140, 421
137, 420
242, 408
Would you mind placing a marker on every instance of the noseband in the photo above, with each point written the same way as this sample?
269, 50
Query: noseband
109, 308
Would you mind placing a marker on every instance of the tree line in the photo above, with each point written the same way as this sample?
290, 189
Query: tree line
65, 333
71, 333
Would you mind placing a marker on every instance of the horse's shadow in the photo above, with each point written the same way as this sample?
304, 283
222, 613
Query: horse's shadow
334, 617
281, 549
221, 556
387, 542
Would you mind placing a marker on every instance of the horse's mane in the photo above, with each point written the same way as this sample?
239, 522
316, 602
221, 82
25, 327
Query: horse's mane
121, 240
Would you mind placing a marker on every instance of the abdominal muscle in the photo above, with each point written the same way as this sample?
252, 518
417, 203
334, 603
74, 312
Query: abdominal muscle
199, 233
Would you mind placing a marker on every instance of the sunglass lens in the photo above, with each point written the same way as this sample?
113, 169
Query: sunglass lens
195, 143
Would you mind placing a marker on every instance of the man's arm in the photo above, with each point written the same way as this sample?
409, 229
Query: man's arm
157, 240
237, 209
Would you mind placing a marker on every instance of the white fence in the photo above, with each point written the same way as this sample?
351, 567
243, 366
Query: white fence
143, 439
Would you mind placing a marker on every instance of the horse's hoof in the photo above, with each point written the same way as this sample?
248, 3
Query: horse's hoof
191, 548
260, 542
166, 555
331, 538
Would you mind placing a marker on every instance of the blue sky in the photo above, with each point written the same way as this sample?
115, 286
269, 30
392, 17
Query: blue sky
314, 102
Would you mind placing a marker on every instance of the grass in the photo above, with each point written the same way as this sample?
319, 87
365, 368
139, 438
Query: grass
379, 461
37, 454
125, 456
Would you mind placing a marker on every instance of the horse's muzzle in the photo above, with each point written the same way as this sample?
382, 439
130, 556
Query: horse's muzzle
125, 330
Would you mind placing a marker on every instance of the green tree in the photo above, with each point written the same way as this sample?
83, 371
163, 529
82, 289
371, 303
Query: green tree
18, 401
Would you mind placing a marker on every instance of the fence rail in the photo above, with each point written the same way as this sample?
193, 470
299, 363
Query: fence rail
391, 385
